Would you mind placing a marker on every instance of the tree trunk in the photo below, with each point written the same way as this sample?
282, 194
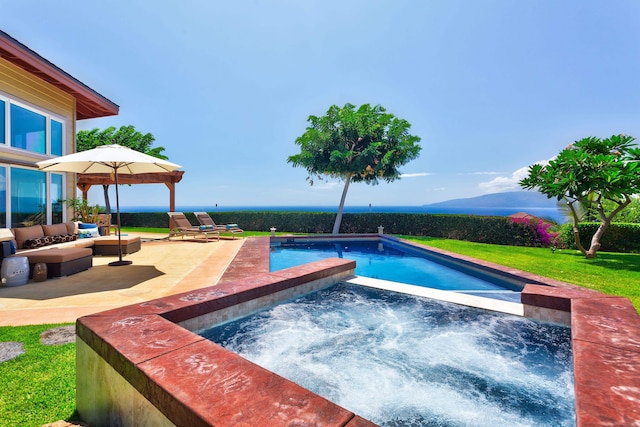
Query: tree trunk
107, 205
606, 221
576, 233
336, 225
595, 240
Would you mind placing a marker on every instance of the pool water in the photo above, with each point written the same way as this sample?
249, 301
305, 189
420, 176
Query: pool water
388, 262
401, 360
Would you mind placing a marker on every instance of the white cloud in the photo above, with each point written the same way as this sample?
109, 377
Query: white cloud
326, 185
507, 183
415, 175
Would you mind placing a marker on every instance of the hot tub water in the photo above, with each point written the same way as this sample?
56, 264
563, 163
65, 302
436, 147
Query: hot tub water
401, 360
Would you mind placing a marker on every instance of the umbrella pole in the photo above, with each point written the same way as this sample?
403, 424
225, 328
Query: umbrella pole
120, 260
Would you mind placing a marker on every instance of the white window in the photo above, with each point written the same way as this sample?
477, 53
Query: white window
31, 129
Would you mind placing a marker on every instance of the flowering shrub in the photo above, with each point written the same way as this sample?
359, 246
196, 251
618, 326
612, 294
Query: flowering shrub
540, 229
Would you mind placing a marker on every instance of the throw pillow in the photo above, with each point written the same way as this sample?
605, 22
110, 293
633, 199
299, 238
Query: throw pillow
84, 234
88, 233
68, 237
33, 243
86, 226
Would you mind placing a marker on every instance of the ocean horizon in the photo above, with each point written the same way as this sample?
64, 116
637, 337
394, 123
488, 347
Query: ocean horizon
550, 213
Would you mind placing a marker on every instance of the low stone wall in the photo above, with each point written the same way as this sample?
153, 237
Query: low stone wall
605, 335
136, 363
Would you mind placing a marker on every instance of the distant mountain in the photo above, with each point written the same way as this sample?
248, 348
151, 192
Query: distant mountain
520, 200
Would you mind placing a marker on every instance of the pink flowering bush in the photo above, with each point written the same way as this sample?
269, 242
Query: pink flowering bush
540, 230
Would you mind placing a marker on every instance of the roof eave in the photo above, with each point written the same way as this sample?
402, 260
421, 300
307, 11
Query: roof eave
89, 103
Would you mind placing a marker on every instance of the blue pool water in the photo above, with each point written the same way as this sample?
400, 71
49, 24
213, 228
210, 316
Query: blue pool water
386, 261
401, 360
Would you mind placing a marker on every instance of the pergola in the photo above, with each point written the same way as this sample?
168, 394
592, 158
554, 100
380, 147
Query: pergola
87, 180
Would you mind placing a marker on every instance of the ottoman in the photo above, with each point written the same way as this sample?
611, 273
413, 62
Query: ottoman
61, 261
108, 245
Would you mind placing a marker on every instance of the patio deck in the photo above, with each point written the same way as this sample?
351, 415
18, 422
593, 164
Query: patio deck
158, 270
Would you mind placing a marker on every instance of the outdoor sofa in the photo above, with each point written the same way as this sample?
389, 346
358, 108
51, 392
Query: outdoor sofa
62, 249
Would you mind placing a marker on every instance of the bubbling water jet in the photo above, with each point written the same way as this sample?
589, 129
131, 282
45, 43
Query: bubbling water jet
401, 360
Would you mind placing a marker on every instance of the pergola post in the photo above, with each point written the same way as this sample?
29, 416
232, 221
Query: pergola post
85, 190
172, 195
172, 201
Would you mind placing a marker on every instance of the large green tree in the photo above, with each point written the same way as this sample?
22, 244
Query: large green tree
591, 172
126, 136
366, 144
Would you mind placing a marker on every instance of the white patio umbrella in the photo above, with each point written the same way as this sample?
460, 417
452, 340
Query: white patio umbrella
114, 159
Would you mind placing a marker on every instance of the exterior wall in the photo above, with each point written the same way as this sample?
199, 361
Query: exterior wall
28, 89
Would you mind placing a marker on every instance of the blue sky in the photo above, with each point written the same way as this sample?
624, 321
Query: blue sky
226, 87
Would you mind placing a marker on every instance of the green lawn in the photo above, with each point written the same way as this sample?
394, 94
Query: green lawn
38, 387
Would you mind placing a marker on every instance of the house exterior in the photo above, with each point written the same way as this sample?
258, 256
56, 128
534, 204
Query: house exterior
39, 106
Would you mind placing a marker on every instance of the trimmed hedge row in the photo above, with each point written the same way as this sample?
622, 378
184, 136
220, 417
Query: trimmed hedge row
618, 237
483, 229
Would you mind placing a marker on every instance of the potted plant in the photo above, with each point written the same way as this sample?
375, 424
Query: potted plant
82, 211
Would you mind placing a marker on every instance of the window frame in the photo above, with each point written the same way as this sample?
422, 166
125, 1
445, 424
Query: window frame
4, 136
48, 115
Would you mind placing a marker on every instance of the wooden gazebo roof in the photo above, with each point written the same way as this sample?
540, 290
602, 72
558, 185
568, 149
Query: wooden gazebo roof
87, 180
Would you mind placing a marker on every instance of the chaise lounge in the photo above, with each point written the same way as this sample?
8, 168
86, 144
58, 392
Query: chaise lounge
206, 222
182, 227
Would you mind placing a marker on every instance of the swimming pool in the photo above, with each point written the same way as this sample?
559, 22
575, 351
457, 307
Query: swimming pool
394, 261
401, 360
157, 338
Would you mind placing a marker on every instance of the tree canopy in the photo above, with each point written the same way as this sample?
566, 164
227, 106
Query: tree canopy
366, 144
591, 172
126, 136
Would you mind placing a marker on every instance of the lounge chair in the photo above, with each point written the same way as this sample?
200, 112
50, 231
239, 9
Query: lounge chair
104, 220
207, 223
182, 227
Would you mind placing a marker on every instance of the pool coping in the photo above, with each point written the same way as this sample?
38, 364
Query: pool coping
138, 361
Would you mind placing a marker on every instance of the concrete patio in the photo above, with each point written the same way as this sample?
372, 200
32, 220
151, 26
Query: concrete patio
161, 268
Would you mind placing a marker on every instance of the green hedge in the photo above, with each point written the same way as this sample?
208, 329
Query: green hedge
497, 230
483, 229
618, 237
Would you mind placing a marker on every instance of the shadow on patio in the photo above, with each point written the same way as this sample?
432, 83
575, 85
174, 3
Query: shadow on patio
97, 279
